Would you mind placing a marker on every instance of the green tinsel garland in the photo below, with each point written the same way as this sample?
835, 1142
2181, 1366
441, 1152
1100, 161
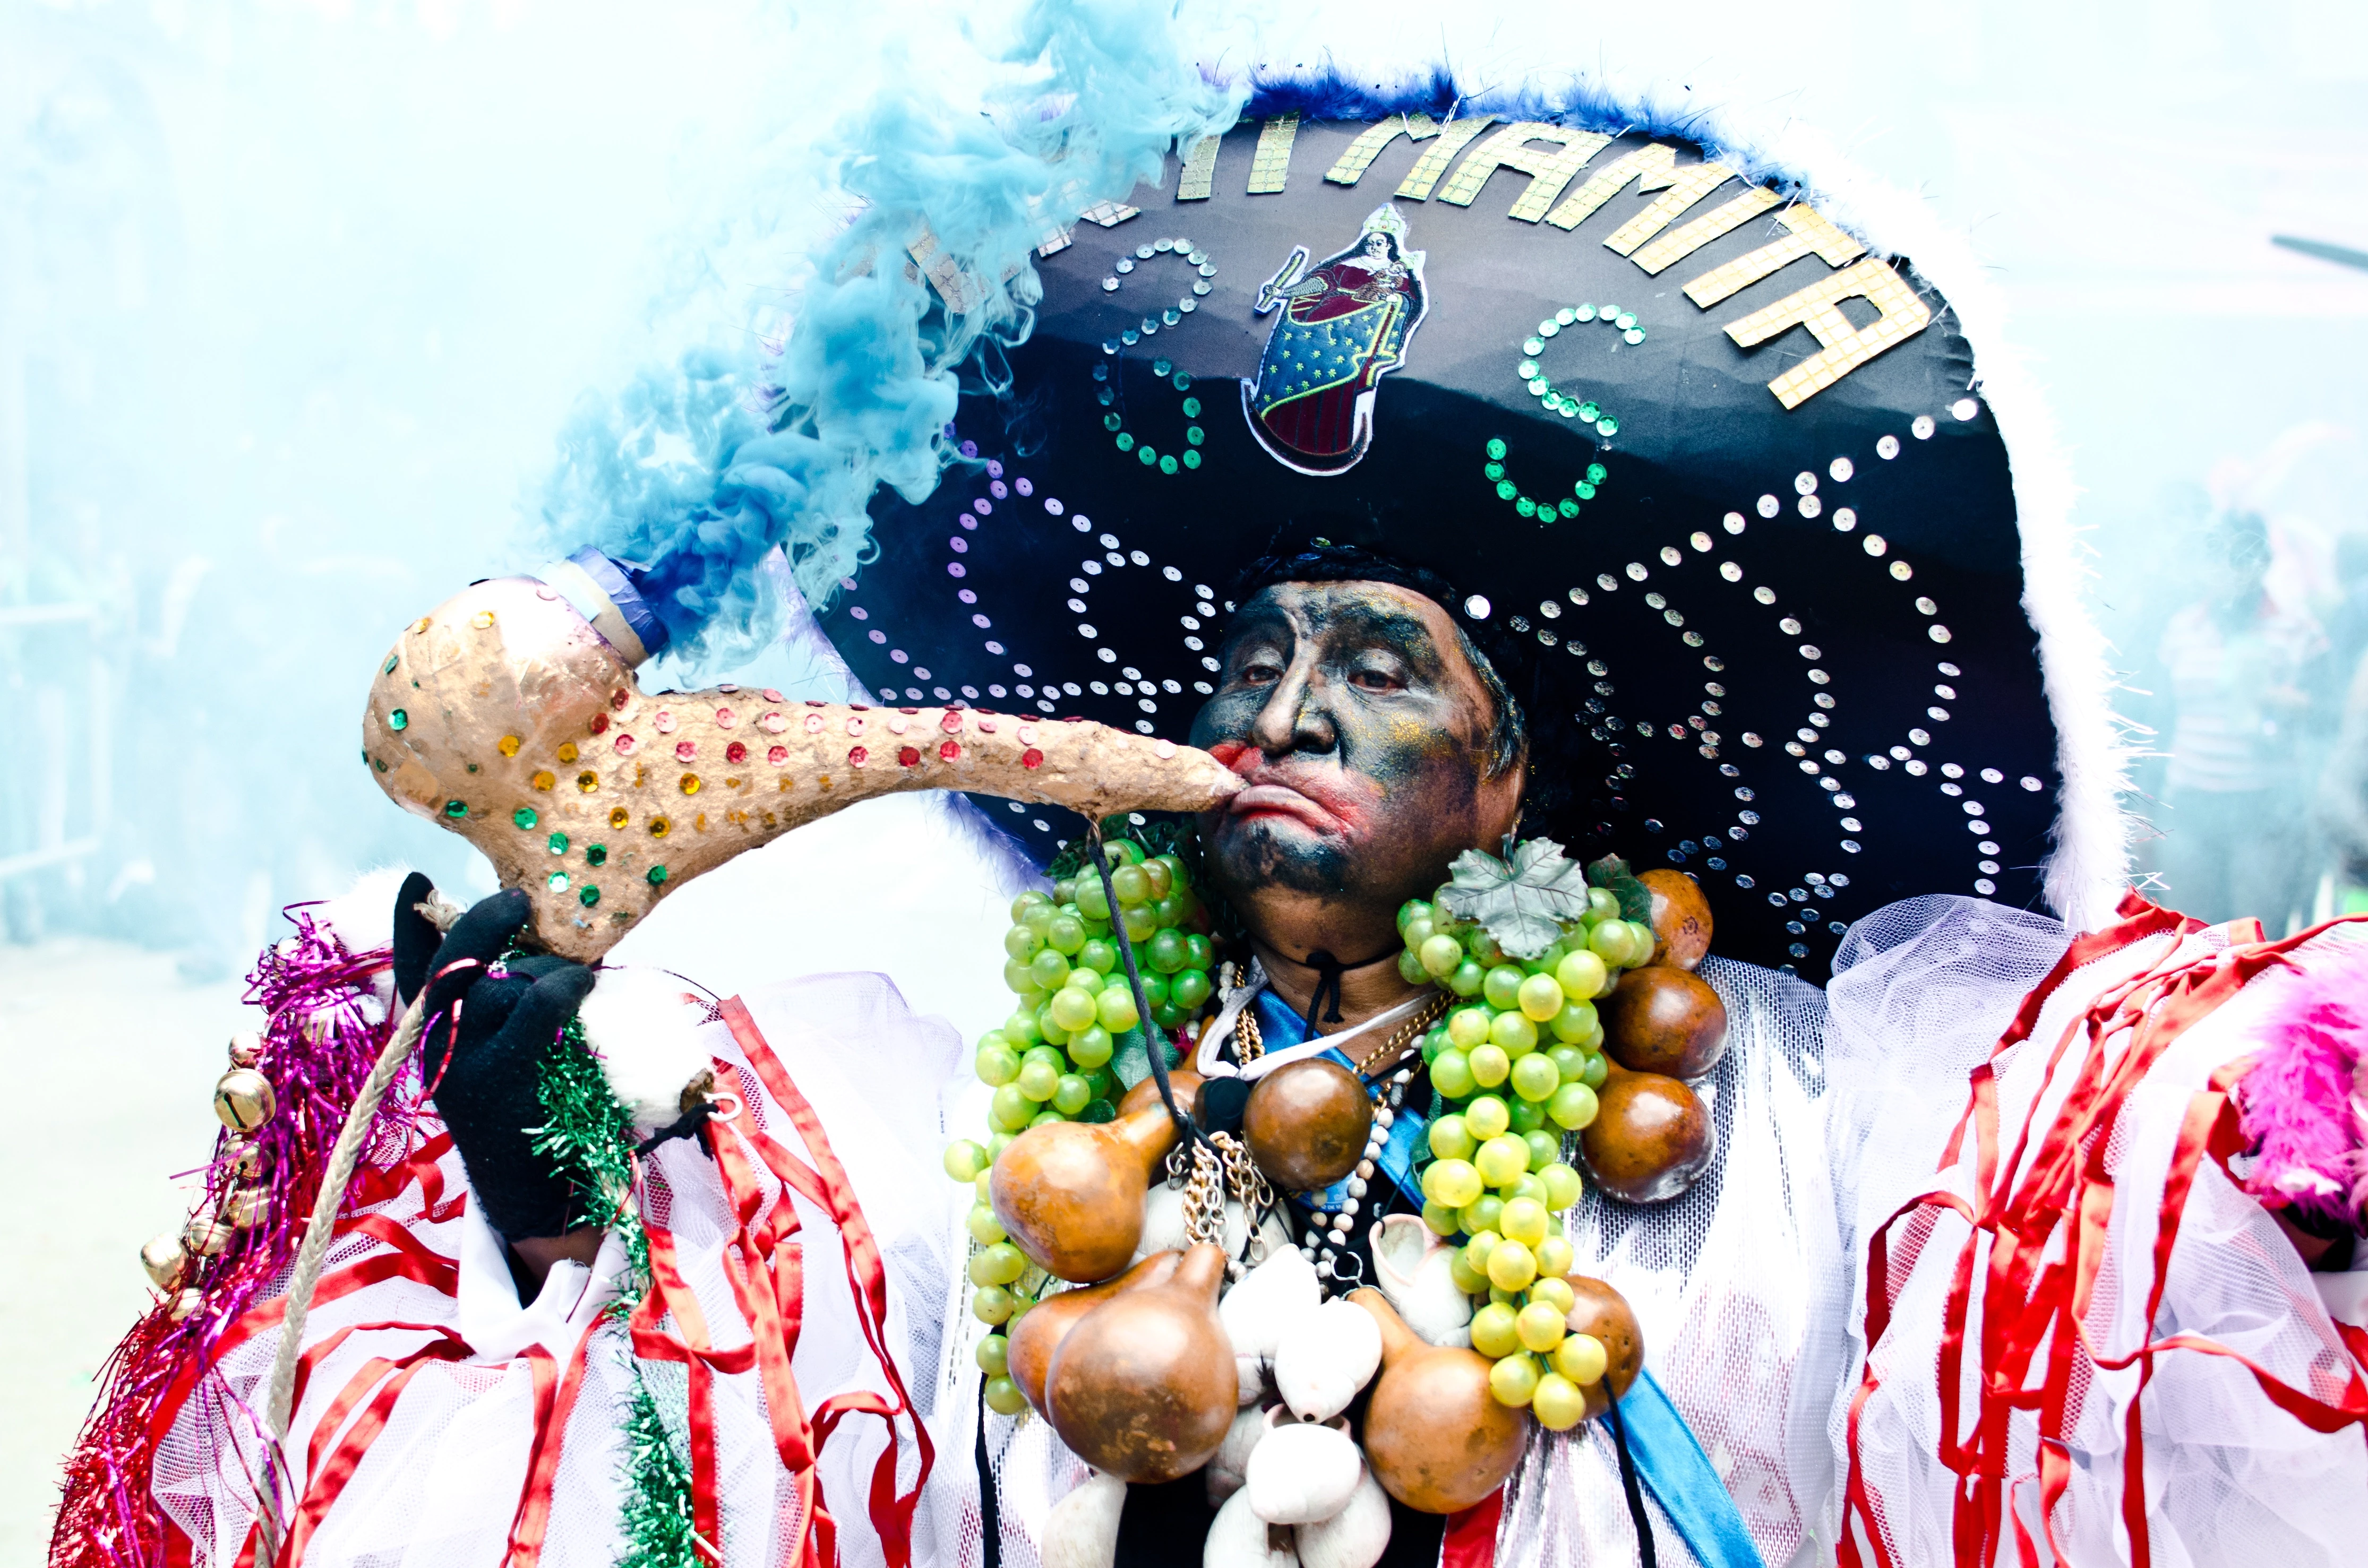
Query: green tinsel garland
589, 1136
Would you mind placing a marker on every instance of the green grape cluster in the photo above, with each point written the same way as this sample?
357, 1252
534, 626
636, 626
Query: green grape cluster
1049, 1060
1516, 1066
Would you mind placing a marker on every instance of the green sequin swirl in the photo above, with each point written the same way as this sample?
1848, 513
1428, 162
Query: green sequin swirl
1543, 388
1530, 507
1106, 394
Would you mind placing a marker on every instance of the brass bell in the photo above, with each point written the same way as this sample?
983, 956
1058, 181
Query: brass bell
244, 1099
245, 1048
246, 1207
186, 1302
205, 1235
164, 1257
244, 1160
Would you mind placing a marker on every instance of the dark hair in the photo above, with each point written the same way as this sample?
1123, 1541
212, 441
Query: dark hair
1327, 563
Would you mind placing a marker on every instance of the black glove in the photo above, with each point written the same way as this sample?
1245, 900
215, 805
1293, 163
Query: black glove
496, 1030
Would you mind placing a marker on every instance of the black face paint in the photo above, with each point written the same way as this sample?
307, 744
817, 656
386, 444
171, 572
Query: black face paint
1362, 730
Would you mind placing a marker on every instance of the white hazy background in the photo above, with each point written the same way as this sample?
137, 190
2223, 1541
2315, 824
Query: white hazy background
295, 296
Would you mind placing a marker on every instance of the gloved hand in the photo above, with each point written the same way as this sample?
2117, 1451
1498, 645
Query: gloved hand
496, 1029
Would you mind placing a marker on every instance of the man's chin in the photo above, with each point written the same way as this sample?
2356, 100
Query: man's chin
1280, 847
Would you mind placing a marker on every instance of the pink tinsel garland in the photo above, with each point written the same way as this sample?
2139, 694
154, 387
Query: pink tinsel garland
2304, 1103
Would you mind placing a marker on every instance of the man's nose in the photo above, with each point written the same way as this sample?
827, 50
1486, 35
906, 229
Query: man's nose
1294, 717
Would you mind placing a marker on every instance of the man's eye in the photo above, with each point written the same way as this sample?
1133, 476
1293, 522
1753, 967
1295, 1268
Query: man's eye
1260, 672
1374, 680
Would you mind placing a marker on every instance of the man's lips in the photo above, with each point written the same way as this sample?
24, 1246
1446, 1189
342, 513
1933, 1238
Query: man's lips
1270, 792
1281, 799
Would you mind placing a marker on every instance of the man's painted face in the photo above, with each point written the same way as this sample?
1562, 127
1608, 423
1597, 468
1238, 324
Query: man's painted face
1363, 729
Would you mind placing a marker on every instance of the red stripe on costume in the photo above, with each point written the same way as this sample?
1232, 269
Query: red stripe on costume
1470, 1540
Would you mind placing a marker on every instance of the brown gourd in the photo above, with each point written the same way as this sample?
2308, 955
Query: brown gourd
1651, 1137
1663, 1019
1035, 1337
1183, 1081
1142, 1387
1070, 1193
1597, 1309
1306, 1124
1681, 922
1434, 1436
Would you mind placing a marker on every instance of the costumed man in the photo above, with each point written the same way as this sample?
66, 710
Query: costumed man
1579, 514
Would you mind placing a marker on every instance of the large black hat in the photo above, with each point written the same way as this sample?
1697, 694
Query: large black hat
1708, 476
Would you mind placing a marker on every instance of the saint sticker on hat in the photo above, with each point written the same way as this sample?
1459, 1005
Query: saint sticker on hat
1343, 327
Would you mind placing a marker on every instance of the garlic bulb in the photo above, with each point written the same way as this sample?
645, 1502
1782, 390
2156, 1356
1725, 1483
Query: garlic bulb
1414, 1267
1082, 1529
1259, 1309
1301, 1471
1223, 1475
1354, 1537
1239, 1538
1324, 1356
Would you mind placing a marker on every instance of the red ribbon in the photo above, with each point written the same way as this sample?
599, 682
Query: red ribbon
2065, 1192
1470, 1540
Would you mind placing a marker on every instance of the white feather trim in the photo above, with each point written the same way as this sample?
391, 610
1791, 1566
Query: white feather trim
643, 1026
362, 917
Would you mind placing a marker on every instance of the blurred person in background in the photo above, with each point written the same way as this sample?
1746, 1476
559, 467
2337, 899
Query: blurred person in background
2341, 806
2238, 664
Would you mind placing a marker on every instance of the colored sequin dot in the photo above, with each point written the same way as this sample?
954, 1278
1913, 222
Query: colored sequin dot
524, 816
392, 660
543, 780
398, 720
589, 896
567, 752
690, 783
1125, 442
908, 757
1166, 465
1031, 758
599, 723
857, 756
726, 718
1191, 459
658, 876
588, 781
660, 827
508, 745
422, 624
779, 756
596, 854
1496, 448
1534, 346
736, 752
624, 743
949, 751
559, 843
455, 808
685, 750
557, 881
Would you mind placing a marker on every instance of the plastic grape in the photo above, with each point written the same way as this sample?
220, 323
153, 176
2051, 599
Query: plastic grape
1453, 1182
1582, 975
1099, 954
1552, 1288
1576, 1023
1117, 1010
1493, 1332
984, 1227
1563, 1185
1017, 978
1554, 1257
1442, 1219
1049, 1055
1598, 1070
1468, 1280
1416, 932
1503, 986
1091, 1047
1486, 1116
1165, 951
1071, 1094
1071, 1008
990, 1304
1514, 1380
1477, 1251
1132, 885
984, 1187
1545, 961
1048, 970
1544, 1150
1029, 899
1482, 1213
1086, 978
1451, 1073
1489, 1065
1540, 1326
1010, 1109
1540, 997
964, 1160
1468, 1026
997, 1141
998, 1264
1092, 902
1065, 935
1167, 1016
1190, 988
1156, 988
998, 1066
1124, 850
1514, 1032
1512, 1265
1529, 1116
1411, 910
1609, 941
993, 1355
1526, 1185
1440, 955
1504, 1298
1524, 1220
1433, 1044
1410, 970
1021, 943
1568, 1059
1049, 1026
1467, 979
1535, 1077
1044, 1119
1140, 924
1204, 957
1159, 872
1501, 1160
1003, 1396
1022, 1029
1556, 1403
1039, 917
1100, 1080
1573, 1107
1582, 1358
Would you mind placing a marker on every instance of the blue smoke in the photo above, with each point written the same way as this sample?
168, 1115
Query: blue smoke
694, 473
